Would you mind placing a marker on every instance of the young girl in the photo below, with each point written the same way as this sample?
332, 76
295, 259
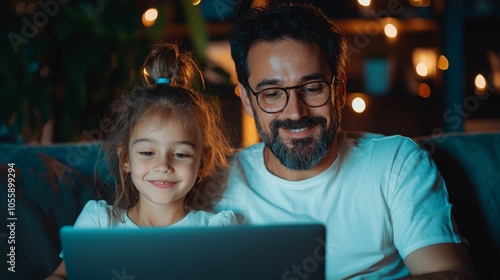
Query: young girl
166, 150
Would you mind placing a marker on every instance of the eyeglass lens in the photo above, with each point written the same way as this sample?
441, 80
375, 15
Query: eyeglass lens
313, 94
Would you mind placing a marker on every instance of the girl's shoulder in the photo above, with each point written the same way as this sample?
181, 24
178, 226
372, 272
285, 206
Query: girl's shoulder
94, 214
97, 204
204, 218
223, 218
97, 207
99, 214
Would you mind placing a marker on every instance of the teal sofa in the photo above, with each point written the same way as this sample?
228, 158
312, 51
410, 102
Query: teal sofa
53, 183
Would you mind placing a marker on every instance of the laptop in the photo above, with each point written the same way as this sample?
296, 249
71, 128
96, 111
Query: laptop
236, 252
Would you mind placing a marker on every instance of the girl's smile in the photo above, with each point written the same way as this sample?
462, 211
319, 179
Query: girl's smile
163, 184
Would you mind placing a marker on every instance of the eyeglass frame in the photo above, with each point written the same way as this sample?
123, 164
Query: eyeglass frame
297, 88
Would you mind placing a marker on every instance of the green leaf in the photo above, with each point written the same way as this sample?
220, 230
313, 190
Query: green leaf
197, 27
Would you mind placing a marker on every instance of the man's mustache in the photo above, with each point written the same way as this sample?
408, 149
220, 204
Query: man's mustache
298, 124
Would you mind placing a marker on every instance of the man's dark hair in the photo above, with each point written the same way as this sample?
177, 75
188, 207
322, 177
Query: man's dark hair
302, 22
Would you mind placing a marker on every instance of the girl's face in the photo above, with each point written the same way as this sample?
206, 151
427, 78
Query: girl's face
164, 161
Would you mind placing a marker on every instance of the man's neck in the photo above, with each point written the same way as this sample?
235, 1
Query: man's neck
276, 168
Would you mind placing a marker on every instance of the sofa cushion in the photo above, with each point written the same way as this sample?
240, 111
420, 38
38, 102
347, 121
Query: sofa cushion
52, 184
470, 165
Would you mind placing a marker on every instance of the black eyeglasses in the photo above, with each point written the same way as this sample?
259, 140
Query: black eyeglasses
312, 94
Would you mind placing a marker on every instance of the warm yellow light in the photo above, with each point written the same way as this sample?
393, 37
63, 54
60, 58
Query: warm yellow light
390, 30
424, 90
416, 3
358, 105
420, 3
145, 72
443, 63
424, 61
149, 17
365, 3
196, 2
422, 69
248, 130
151, 14
480, 82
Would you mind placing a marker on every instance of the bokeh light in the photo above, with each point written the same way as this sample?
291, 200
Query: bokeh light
480, 82
364, 3
422, 69
390, 30
358, 105
443, 63
149, 17
424, 90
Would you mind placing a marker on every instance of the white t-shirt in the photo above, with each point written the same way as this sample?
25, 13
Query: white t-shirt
381, 199
98, 214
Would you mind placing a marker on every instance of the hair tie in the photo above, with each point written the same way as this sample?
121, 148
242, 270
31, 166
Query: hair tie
165, 81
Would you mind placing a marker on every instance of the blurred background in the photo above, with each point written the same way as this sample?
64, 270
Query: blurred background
416, 67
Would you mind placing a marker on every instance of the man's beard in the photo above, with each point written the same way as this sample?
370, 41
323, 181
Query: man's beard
299, 154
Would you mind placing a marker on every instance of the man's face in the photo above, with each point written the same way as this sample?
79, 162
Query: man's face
298, 136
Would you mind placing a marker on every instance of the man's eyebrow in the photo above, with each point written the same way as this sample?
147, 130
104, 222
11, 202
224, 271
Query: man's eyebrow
315, 76
273, 82
276, 82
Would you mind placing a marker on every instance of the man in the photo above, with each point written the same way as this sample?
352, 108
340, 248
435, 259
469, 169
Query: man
381, 199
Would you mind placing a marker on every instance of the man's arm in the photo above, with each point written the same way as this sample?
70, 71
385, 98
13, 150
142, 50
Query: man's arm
440, 261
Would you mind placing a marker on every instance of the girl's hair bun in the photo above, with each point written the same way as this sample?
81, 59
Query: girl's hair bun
166, 62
